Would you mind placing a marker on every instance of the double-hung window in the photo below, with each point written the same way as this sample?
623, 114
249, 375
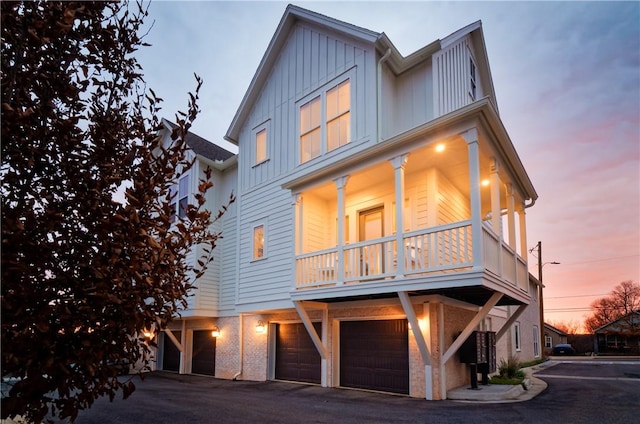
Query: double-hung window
180, 198
325, 121
472, 79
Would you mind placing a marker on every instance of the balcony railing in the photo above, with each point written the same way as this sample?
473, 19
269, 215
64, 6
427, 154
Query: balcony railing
441, 248
446, 248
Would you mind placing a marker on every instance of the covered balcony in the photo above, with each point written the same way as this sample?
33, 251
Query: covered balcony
445, 214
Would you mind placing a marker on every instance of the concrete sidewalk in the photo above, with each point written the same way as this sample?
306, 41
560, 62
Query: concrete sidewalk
502, 393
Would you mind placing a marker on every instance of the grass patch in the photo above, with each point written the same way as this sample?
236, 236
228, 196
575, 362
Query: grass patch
496, 379
532, 363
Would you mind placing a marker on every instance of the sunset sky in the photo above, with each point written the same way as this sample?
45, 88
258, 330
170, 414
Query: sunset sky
567, 82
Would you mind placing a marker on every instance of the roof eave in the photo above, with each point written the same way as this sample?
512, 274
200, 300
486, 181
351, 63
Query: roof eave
291, 15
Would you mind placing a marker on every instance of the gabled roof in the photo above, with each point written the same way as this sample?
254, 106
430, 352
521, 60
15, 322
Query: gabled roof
201, 146
396, 62
629, 316
292, 14
554, 329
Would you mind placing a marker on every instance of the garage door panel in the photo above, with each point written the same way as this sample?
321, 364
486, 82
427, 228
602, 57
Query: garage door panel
203, 359
297, 358
375, 355
171, 353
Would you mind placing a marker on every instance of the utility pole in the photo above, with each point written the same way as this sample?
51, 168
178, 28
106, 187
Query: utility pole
540, 297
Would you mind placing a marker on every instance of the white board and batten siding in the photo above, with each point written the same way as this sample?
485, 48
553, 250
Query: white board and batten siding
311, 61
451, 77
407, 99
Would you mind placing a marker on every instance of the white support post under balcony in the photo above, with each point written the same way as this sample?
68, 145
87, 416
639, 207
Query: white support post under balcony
471, 137
340, 185
398, 164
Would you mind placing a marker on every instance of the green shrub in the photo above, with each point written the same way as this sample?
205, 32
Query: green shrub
510, 368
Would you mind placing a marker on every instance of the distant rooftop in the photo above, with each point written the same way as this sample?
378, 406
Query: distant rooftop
204, 147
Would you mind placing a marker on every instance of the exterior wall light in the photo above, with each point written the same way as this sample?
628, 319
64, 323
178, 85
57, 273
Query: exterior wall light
261, 328
440, 147
215, 332
147, 335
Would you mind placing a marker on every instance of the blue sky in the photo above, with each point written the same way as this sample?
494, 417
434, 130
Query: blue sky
567, 81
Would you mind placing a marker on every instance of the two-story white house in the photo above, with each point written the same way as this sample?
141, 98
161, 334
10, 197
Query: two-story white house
379, 221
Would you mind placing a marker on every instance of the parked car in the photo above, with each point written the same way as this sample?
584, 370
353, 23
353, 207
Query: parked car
563, 349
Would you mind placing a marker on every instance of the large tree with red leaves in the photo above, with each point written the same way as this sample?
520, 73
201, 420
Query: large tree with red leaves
84, 275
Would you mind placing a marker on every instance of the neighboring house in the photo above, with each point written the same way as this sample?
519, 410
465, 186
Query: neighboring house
621, 336
379, 221
552, 337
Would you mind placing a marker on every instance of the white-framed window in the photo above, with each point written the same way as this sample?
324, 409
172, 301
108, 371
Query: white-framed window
472, 78
261, 146
180, 198
548, 341
261, 136
325, 120
258, 241
536, 341
516, 336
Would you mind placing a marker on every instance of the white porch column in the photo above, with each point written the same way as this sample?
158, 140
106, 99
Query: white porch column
511, 217
523, 232
471, 137
340, 185
398, 164
496, 212
296, 202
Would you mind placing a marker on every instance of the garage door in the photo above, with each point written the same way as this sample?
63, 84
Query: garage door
375, 355
170, 353
297, 358
203, 359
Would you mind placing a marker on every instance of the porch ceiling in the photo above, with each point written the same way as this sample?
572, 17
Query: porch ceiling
476, 295
452, 163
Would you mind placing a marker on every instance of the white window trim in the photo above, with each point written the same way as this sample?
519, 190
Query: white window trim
176, 200
264, 241
266, 126
322, 93
473, 79
536, 342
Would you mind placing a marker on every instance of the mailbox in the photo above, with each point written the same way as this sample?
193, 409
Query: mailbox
474, 349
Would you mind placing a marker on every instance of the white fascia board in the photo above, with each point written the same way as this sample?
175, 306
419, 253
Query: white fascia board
291, 15
398, 63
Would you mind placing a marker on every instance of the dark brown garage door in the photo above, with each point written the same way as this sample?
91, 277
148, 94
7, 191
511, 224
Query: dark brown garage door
297, 358
375, 355
170, 353
203, 360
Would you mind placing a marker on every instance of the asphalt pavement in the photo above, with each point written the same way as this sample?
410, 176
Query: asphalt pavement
572, 391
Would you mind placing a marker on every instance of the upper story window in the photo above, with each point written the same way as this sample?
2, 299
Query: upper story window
261, 146
325, 121
472, 78
180, 198
258, 242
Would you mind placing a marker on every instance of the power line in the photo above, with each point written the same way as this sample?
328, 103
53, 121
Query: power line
580, 295
600, 260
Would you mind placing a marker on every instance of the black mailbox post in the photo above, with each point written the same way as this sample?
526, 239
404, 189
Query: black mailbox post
479, 352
